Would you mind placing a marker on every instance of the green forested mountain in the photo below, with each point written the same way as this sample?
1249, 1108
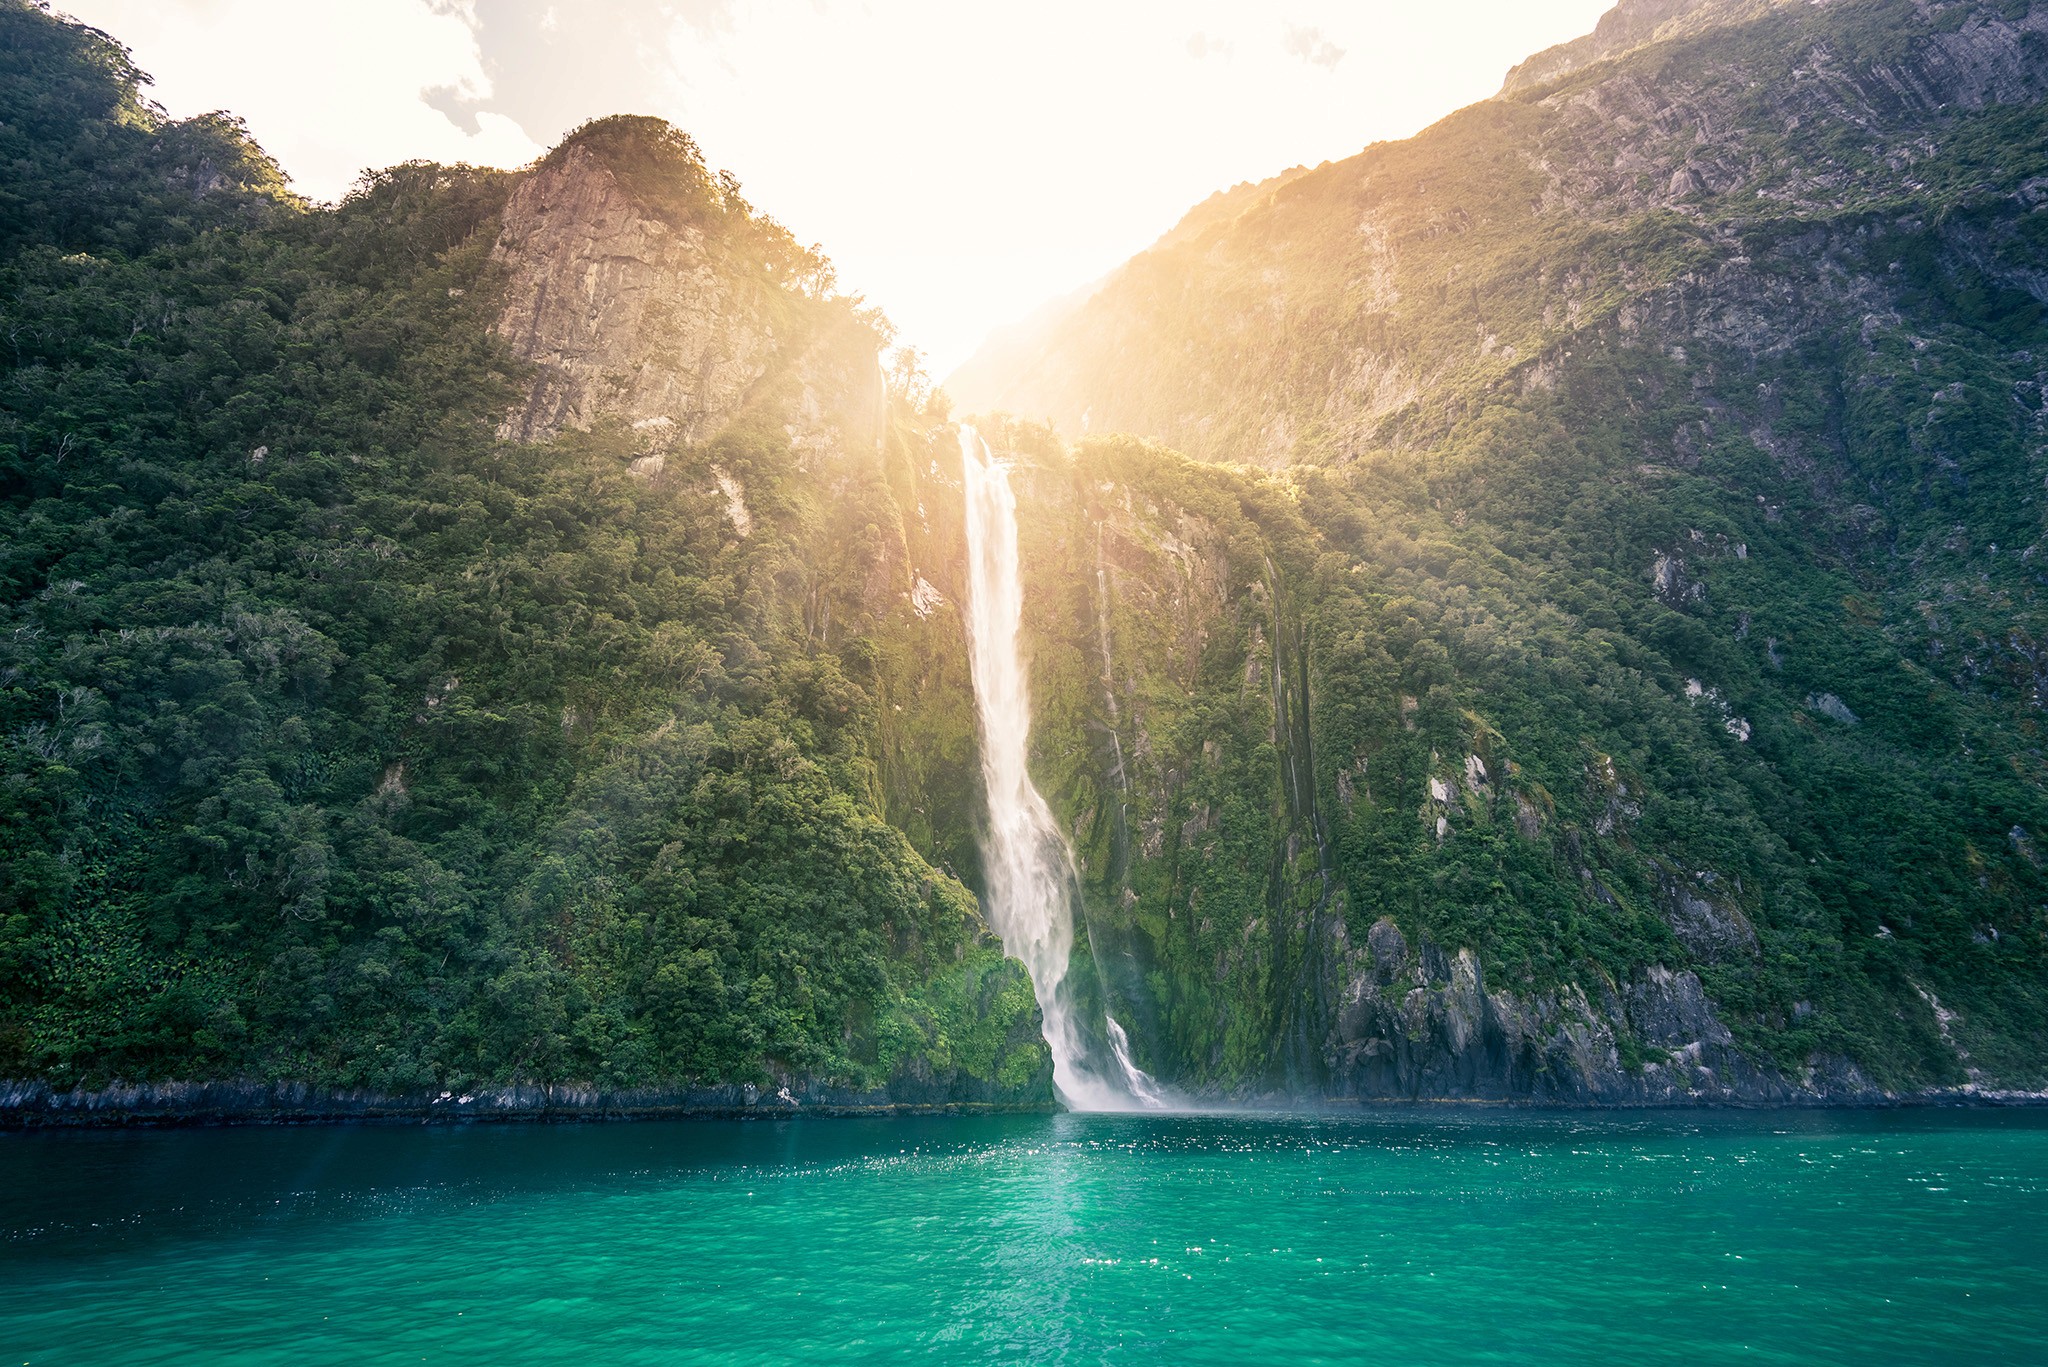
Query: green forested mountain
1614, 548
1548, 609
349, 743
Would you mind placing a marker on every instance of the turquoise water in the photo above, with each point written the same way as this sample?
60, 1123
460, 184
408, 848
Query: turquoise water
1402, 1237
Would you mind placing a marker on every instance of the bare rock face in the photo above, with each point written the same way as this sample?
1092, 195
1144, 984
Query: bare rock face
625, 314
1710, 926
1415, 1025
1630, 24
836, 405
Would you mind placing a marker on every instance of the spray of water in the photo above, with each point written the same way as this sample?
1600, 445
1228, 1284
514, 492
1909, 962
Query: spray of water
1030, 868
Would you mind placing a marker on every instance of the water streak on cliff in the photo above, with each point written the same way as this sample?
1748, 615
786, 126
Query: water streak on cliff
1031, 877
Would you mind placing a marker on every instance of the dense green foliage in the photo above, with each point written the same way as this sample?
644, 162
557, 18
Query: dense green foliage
1604, 565
346, 743
1654, 441
89, 165
1259, 716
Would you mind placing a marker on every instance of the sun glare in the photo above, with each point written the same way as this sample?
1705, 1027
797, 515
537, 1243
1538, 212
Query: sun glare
962, 164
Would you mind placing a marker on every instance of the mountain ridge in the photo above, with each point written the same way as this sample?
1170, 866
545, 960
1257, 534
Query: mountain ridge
500, 637
1612, 473
1386, 232
1631, 24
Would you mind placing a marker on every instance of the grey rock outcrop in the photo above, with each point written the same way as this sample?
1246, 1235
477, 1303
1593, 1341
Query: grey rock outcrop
1418, 1025
1711, 927
1629, 25
621, 312
656, 316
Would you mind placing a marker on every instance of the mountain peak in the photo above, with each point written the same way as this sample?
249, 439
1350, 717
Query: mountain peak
1629, 25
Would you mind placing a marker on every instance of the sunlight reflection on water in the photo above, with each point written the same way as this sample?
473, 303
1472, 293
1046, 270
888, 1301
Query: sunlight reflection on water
1465, 1236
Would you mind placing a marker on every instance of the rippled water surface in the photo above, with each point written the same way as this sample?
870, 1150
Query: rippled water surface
1404, 1237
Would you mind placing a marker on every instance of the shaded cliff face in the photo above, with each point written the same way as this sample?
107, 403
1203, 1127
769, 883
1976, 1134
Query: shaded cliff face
1621, 683
1422, 1025
1360, 814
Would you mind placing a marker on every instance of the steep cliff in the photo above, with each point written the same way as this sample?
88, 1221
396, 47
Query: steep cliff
453, 647
642, 289
1631, 24
496, 644
1360, 814
1597, 660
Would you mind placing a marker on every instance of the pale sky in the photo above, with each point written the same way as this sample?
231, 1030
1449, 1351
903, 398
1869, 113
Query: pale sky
961, 162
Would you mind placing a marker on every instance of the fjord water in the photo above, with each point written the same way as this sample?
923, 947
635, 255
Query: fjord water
1441, 1237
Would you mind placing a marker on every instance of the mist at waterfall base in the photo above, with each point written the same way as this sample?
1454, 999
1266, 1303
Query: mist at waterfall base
1451, 1236
1031, 884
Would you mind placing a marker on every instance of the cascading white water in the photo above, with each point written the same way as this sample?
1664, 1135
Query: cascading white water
1136, 1080
1030, 869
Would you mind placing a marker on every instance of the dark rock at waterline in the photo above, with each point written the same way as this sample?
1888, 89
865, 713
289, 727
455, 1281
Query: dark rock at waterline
31, 1105
1418, 1026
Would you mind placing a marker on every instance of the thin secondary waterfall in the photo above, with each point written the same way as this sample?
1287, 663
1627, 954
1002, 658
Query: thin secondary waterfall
1030, 869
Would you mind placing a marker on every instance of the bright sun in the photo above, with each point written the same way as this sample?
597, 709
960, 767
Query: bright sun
961, 163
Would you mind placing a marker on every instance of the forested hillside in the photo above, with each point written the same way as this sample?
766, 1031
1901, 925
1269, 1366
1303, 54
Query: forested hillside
1614, 549
1550, 609
371, 722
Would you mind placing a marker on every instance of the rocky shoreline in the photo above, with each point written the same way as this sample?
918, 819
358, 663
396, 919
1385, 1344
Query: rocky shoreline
37, 1105
171, 1105
1411, 1026
1414, 1023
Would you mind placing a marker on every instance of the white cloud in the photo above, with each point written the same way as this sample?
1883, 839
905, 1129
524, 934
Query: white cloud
1312, 47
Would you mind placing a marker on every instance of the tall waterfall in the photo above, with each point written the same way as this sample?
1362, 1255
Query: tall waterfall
1031, 879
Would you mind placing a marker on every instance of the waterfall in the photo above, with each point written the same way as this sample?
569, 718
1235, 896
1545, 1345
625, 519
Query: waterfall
1031, 878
